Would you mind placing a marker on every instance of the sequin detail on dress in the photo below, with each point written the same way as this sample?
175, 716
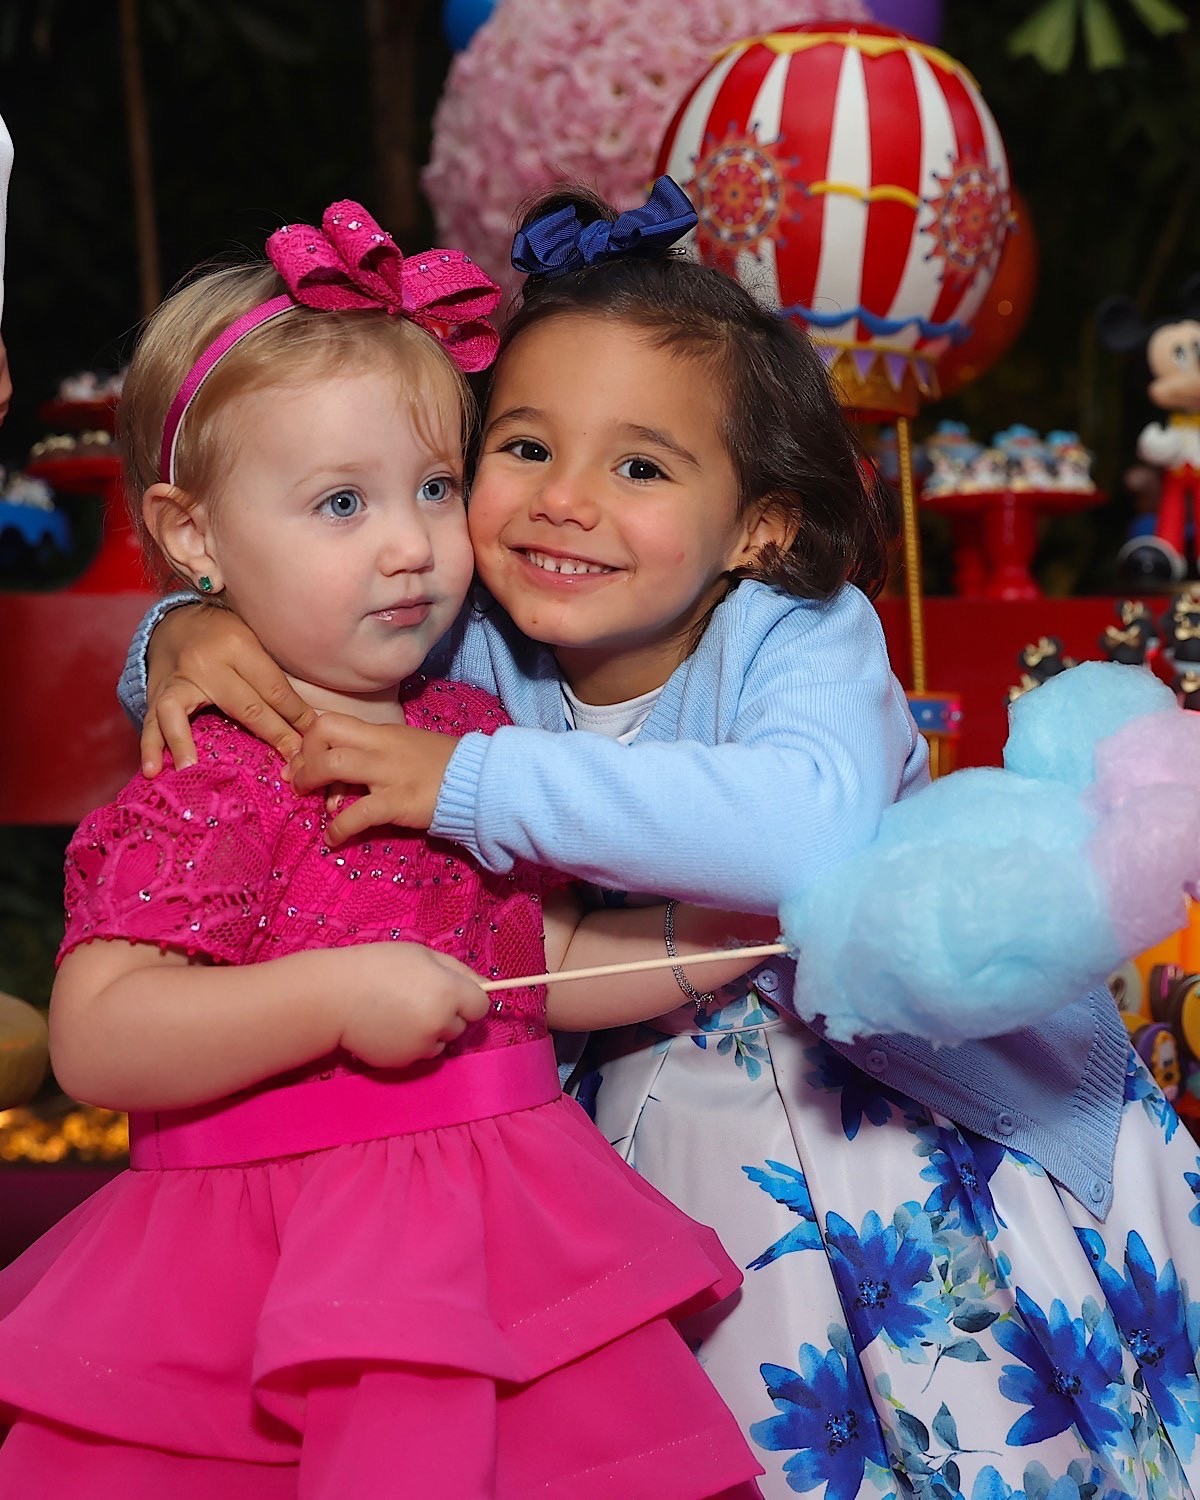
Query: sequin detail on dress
250, 879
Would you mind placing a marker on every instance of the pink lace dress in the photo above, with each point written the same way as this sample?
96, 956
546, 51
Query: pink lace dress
436, 1283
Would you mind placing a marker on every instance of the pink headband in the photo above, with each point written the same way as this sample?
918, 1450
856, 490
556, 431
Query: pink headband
350, 264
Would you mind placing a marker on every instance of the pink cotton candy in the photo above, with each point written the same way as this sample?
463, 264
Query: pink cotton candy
1146, 850
1146, 800
1155, 749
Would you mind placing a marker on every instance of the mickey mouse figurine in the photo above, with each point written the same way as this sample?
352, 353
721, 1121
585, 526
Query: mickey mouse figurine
1180, 626
1039, 661
1159, 557
1132, 641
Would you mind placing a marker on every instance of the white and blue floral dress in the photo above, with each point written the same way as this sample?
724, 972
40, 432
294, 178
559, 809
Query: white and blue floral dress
925, 1313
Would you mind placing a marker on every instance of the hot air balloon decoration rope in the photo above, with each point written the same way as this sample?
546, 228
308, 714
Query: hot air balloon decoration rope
912, 554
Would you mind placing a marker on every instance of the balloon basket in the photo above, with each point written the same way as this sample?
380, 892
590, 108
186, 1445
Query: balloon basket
875, 385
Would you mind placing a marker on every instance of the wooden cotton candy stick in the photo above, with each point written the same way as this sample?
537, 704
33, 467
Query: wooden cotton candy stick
602, 971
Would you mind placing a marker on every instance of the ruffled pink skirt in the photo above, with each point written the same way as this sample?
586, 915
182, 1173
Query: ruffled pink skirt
476, 1311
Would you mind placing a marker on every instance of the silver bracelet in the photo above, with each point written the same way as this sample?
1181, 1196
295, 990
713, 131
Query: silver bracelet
698, 999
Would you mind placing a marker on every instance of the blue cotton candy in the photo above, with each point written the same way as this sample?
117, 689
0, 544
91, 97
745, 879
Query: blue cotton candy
993, 897
981, 807
975, 911
1053, 731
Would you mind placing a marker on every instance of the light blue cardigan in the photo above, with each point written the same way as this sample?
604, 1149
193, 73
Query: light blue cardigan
815, 740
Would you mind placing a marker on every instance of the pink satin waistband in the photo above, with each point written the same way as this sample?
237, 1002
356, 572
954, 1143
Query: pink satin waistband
343, 1108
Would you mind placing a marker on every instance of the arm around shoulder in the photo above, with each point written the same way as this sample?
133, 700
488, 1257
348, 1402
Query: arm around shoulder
771, 756
131, 685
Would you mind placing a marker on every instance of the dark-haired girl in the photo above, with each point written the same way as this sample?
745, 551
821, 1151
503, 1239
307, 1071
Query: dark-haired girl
968, 1268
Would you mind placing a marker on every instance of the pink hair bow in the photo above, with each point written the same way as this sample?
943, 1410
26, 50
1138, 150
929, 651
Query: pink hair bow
350, 262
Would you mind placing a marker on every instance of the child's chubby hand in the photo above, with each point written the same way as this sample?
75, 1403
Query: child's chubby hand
400, 767
402, 1002
202, 655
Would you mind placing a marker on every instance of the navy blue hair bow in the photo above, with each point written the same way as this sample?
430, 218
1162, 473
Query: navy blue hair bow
558, 243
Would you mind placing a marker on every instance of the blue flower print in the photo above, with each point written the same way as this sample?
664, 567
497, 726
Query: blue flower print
1159, 1323
961, 1165
787, 1186
1140, 1086
989, 1485
745, 1043
1138, 1083
825, 1414
1193, 1181
1075, 1484
862, 1097
1064, 1375
880, 1275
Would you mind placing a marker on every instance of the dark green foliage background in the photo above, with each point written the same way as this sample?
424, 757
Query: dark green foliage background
1110, 165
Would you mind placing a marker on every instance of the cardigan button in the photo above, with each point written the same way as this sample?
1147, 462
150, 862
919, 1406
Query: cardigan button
877, 1060
1097, 1190
1005, 1123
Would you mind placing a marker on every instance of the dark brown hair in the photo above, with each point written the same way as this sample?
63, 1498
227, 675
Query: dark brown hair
785, 434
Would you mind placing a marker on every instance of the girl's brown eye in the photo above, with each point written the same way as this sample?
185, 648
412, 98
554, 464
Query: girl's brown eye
640, 468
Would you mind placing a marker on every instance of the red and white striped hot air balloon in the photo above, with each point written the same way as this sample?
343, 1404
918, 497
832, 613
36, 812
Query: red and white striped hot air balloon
855, 179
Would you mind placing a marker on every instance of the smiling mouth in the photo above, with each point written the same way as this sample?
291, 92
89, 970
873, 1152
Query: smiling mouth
547, 562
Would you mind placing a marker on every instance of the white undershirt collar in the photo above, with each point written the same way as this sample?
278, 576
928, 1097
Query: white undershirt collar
616, 721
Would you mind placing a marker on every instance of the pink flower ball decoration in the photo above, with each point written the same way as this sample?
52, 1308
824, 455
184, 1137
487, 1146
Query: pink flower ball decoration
575, 90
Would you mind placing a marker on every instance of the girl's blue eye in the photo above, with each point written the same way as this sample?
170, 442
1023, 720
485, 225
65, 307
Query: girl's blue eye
640, 468
437, 491
342, 504
527, 449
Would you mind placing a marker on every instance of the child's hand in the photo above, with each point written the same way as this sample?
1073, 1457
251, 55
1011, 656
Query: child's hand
199, 656
401, 767
405, 1002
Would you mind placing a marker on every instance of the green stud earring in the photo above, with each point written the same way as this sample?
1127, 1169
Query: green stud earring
205, 584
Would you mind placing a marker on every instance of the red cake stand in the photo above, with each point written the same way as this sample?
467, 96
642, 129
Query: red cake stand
117, 567
996, 533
